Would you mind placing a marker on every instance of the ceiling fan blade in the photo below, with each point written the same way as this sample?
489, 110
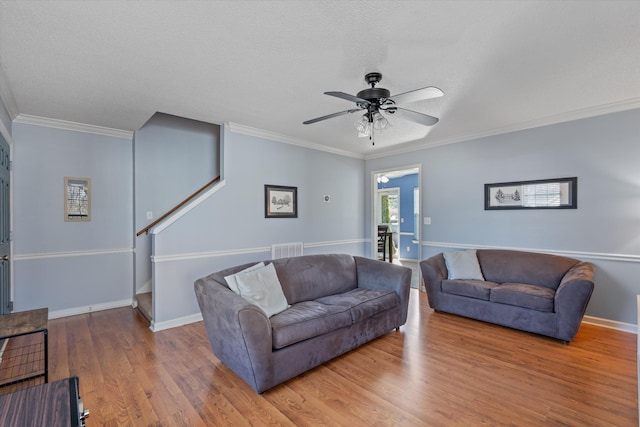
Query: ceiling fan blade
417, 95
414, 116
330, 116
348, 97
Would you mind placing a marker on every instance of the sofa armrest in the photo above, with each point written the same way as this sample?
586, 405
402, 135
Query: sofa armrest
572, 297
374, 274
434, 271
239, 332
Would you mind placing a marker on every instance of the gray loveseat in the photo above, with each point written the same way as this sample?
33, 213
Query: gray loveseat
337, 302
534, 292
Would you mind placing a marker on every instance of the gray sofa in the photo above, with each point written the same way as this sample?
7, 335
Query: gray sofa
337, 302
534, 292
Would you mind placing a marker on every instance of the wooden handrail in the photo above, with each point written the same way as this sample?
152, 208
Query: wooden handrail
178, 206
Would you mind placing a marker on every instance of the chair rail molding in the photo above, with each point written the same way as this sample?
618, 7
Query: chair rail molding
572, 254
259, 249
26, 257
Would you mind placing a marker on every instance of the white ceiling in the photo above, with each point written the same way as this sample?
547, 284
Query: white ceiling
503, 65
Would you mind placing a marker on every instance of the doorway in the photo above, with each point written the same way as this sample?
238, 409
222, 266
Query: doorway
396, 201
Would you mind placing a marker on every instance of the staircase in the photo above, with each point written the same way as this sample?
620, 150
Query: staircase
145, 306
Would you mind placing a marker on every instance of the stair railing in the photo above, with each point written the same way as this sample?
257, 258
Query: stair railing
178, 206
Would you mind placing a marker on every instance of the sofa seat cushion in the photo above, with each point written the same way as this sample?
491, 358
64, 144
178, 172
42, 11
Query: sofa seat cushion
363, 303
306, 320
538, 298
479, 289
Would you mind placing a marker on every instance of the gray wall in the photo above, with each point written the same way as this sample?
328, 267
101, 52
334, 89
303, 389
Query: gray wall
68, 266
230, 228
603, 152
174, 157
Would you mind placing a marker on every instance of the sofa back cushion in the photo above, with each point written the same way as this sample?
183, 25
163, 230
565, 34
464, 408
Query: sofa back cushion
502, 266
310, 277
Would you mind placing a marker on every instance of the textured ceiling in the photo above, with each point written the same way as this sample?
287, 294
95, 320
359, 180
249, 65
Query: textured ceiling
503, 65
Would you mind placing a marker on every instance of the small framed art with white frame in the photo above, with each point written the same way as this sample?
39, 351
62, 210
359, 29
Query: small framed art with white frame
77, 199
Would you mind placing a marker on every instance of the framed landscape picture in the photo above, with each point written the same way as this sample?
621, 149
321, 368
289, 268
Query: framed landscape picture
558, 193
280, 201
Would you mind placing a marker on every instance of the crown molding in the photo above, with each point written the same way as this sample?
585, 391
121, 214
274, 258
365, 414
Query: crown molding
583, 113
73, 126
614, 107
273, 136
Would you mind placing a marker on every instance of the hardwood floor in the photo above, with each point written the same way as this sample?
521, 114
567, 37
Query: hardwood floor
439, 370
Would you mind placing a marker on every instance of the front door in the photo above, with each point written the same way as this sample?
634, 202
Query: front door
5, 228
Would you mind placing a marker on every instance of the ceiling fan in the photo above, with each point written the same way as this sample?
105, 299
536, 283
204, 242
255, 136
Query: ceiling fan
375, 100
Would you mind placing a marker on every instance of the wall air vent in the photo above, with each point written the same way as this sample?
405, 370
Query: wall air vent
285, 250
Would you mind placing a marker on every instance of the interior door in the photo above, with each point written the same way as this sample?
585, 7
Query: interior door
5, 228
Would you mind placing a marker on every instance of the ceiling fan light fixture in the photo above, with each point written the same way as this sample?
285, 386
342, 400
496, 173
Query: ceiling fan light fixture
363, 128
375, 99
379, 122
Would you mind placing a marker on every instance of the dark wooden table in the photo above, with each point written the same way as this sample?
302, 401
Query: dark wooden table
53, 404
388, 245
20, 324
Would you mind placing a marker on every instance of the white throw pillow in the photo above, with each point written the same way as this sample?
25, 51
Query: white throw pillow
231, 280
463, 265
261, 287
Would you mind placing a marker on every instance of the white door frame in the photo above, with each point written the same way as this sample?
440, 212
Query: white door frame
7, 136
374, 190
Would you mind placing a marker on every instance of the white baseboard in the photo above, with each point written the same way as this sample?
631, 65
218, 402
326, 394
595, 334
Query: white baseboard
89, 308
174, 323
611, 324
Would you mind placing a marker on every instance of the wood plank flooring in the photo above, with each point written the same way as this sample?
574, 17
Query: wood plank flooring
439, 370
